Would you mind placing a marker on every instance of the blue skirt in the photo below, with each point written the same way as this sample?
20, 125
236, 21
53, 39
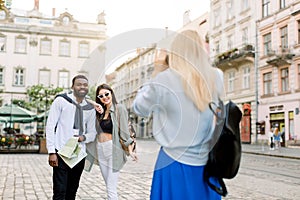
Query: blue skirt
176, 181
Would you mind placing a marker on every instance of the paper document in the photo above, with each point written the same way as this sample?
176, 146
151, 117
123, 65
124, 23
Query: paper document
71, 153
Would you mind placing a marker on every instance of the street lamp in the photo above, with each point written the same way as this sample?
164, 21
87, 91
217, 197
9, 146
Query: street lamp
11, 107
256, 80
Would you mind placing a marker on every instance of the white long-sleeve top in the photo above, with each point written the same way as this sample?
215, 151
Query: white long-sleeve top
61, 116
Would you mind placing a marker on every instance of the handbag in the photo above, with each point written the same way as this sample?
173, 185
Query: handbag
132, 136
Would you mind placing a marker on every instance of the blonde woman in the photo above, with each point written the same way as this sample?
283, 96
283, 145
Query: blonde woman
178, 97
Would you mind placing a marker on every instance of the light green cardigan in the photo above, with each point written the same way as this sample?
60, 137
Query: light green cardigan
119, 156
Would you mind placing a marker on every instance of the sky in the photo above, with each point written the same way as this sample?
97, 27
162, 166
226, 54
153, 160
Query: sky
122, 16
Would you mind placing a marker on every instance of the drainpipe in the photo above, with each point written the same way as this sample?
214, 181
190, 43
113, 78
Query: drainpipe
256, 54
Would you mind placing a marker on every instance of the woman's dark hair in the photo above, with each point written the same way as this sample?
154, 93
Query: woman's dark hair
114, 100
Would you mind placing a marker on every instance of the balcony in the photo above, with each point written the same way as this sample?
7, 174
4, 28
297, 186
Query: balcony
235, 57
281, 56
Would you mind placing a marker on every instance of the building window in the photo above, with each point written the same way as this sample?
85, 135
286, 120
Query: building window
284, 37
267, 44
229, 10
246, 78
1, 75
2, 43
265, 8
267, 83
245, 4
245, 35
282, 4
299, 76
83, 49
46, 47
44, 77
66, 20
63, 79
229, 42
284, 80
2, 14
19, 77
217, 17
20, 45
64, 48
231, 77
217, 45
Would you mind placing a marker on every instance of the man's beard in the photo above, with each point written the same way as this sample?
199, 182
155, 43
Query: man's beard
80, 94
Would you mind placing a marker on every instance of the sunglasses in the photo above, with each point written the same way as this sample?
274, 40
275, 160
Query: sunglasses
103, 95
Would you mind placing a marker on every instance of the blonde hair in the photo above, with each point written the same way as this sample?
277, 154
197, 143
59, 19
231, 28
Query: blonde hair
276, 131
190, 60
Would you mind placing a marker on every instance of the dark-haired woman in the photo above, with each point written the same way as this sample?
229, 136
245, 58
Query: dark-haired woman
111, 124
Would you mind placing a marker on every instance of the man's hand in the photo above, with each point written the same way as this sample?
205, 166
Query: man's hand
53, 161
81, 138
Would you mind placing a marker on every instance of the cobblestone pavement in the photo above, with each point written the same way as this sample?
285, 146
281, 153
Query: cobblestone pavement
28, 176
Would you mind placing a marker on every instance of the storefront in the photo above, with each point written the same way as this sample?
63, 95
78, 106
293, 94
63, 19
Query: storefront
283, 116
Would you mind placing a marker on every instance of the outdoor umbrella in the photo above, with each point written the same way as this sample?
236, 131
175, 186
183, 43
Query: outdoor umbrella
41, 117
13, 113
3, 119
14, 119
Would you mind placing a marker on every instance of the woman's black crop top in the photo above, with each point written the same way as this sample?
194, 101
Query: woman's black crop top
106, 125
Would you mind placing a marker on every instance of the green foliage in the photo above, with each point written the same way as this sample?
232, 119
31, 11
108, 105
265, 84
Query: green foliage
92, 92
22, 103
41, 97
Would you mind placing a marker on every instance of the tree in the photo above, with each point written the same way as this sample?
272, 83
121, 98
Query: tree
40, 97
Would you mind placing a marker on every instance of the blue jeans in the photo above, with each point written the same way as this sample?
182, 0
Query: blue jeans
66, 180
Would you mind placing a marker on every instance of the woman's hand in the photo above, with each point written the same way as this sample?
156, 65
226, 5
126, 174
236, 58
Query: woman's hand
132, 153
98, 108
160, 62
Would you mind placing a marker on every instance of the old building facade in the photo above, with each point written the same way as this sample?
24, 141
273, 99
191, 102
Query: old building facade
279, 67
232, 49
256, 45
49, 50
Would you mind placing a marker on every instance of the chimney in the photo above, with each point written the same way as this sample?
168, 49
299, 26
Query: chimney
53, 12
186, 17
36, 4
166, 32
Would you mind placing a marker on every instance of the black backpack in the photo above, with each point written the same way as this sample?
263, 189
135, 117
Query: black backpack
225, 156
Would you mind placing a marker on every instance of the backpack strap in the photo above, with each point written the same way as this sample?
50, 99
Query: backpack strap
222, 190
218, 109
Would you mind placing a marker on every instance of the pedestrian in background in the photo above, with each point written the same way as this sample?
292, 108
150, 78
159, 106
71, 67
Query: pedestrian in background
179, 97
111, 124
277, 138
271, 140
66, 119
